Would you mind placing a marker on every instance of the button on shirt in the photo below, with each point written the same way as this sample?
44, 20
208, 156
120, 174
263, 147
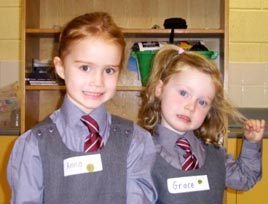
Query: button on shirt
25, 168
241, 174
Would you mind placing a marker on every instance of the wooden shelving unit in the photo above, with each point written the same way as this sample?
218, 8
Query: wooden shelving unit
42, 22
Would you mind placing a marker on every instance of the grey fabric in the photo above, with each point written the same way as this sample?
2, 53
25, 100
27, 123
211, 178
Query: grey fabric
214, 169
107, 186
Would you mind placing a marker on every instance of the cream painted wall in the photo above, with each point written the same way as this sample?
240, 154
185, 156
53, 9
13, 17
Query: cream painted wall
248, 43
9, 73
248, 30
9, 41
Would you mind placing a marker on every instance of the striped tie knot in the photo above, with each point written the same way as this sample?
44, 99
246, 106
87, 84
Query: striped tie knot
190, 162
93, 141
91, 124
184, 144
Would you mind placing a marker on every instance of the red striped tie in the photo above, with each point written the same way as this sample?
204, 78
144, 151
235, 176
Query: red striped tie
190, 162
93, 141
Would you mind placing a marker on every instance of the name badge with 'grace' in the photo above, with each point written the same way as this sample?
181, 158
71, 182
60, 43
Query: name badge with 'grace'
82, 164
188, 184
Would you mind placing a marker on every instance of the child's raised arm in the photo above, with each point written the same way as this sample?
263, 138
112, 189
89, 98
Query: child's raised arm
254, 129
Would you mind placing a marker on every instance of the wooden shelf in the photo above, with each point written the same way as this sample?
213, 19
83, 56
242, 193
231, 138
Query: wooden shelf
44, 87
191, 32
50, 32
62, 87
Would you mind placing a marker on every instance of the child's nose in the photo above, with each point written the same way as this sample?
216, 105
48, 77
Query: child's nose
97, 79
190, 106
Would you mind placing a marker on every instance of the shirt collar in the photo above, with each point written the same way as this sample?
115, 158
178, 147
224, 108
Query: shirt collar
72, 114
167, 138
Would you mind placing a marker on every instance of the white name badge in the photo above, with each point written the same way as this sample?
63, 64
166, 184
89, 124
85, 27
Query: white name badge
82, 164
188, 184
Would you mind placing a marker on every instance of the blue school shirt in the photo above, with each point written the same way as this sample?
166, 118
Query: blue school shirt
24, 170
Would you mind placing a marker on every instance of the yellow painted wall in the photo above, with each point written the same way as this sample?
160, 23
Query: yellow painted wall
10, 30
248, 78
9, 58
248, 30
248, 58
9, 41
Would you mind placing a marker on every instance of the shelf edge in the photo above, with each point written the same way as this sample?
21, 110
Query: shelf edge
62, 87
46, 31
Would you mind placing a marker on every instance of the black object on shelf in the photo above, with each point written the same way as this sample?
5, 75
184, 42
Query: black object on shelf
43, 73
199, 47
173, 23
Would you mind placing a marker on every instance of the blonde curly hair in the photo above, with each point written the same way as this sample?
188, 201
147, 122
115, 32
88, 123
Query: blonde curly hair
168, 62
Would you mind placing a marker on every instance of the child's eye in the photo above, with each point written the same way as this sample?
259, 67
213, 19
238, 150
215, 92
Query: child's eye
110, 70
203, 103
85, 68
183, 93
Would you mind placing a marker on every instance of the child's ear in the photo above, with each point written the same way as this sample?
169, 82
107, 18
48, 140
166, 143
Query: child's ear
158, 89
59, 67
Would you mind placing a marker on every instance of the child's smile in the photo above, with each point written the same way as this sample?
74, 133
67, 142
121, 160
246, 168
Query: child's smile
91, 71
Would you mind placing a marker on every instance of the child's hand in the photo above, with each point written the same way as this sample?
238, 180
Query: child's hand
254, 129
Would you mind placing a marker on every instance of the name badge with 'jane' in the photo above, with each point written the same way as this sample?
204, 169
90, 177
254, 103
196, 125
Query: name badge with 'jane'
188, 184
82, 164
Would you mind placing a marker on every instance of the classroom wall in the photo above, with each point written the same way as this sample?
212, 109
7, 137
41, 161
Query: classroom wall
9, 41
9, 73
248, 53
248, 43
